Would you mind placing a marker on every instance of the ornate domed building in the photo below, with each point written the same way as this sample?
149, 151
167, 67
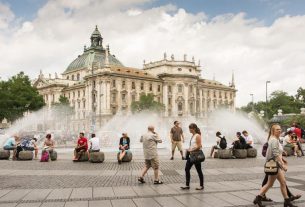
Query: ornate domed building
98, 85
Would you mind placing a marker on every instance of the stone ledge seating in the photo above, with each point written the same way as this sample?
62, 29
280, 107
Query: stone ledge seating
224, 153
240, 153
5, 154
53, 155
97, 157
251, 152
127, 157
288, 151
26, 155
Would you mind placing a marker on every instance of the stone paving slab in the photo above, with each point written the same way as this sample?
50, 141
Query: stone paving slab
81, 193
58, 194
168, 202
37, 194
146, 202
103, 192
53, 204
77, 204
14, 195
191, 201
104, 203
211, 200
8, 205
124, 191
232, 199
123, 202
29, 205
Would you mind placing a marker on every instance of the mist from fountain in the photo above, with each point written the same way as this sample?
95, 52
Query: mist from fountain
55, 120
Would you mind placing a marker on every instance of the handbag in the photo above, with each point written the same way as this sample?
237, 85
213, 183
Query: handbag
197, 156
271, 167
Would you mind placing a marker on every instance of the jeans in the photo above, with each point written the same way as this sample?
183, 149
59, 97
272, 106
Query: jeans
188, 168
266, 180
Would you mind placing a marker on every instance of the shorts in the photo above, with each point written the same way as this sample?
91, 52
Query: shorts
152, 163
9, 148
177, 144
83, 149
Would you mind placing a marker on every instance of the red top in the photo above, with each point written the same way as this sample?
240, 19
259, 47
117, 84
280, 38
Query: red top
82, 141
298, 132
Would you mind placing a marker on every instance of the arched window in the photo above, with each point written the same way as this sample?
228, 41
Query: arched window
72, 77
78, 76
67, 77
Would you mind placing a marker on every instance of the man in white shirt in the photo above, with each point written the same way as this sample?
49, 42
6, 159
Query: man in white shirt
94, 144
249, 139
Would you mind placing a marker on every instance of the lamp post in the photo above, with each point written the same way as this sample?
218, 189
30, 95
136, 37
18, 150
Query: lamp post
252, 101
93, 99
267, 98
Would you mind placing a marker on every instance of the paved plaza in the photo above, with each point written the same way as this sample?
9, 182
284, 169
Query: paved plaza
64, 183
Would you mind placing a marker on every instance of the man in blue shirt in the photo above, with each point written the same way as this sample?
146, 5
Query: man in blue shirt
11, 144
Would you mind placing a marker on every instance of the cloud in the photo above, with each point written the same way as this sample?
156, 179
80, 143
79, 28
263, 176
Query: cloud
6, 16
224, 43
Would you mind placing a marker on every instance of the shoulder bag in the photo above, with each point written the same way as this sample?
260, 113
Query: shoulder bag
271, 167
196, 156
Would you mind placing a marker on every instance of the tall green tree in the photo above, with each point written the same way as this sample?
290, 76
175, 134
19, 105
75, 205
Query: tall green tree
147, 103
17, 96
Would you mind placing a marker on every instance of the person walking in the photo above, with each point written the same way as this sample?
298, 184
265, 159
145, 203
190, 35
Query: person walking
177, 138
150, 141
195, 145
275, 151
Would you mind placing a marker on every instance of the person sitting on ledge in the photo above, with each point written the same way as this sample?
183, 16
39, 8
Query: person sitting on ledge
94, 143
249, 139
82, 146
290, 141
48, 144
221, 143
239, 142
11, 144
36, 148
123, 147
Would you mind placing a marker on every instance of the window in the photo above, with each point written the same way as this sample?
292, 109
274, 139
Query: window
208, 93
180, 88
159, 88
133, 85
78, 76
179, 69
169, 89
84, 92
142, 86
169, 101
113, 83
78, 94
67, 77
123, 97
123, 84
180, 107
78, 105
113, 97
190, 70
214, 94
231, 95
226, 95
84, 104
94, 84
219, 95
150, 87
72, 77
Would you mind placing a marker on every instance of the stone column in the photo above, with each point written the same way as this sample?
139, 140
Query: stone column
165, 99
104, 94
200, 104
108, 96
174, 103
186, 98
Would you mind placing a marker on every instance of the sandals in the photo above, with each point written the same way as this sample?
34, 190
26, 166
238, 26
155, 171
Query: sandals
141, 180
157, 182
185, 188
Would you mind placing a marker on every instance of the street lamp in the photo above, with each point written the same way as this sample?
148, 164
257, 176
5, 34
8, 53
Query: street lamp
267, 97
252, 100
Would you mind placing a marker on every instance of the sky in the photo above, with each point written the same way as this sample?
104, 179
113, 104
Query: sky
260, 40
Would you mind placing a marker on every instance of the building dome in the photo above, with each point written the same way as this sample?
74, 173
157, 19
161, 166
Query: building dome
94, 55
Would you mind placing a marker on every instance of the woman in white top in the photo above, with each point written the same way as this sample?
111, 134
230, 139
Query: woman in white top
195, 145
275, 151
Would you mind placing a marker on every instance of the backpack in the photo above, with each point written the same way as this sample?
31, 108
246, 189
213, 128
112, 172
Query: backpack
264, 150
223, 142
44, 157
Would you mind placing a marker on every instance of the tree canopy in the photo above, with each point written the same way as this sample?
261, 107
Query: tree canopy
147, 103
17, 96
279, 100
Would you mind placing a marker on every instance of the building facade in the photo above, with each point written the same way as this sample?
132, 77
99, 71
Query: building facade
98, 86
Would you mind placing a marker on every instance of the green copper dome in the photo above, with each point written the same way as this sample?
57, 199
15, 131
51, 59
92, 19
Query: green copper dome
95, 54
